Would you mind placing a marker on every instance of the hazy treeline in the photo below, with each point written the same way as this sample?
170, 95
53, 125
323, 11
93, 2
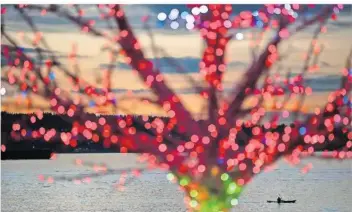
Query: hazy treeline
63, 123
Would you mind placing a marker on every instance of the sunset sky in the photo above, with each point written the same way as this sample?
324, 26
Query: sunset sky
184, 46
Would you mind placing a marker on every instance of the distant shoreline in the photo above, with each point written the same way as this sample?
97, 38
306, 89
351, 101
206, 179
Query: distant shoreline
62, 123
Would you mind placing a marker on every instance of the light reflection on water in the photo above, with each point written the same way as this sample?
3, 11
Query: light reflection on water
327, 187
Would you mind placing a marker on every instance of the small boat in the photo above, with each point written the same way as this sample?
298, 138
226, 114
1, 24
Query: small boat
282, 201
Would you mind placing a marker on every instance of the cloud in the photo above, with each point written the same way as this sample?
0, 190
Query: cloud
32, 52
52, 23
189, 64
324, 83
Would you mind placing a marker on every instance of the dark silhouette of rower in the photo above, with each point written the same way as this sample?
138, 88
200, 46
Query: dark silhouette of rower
279, 199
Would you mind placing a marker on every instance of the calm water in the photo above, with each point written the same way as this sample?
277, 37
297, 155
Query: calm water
326, 188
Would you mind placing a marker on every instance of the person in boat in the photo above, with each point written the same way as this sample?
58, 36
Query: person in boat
279, 199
